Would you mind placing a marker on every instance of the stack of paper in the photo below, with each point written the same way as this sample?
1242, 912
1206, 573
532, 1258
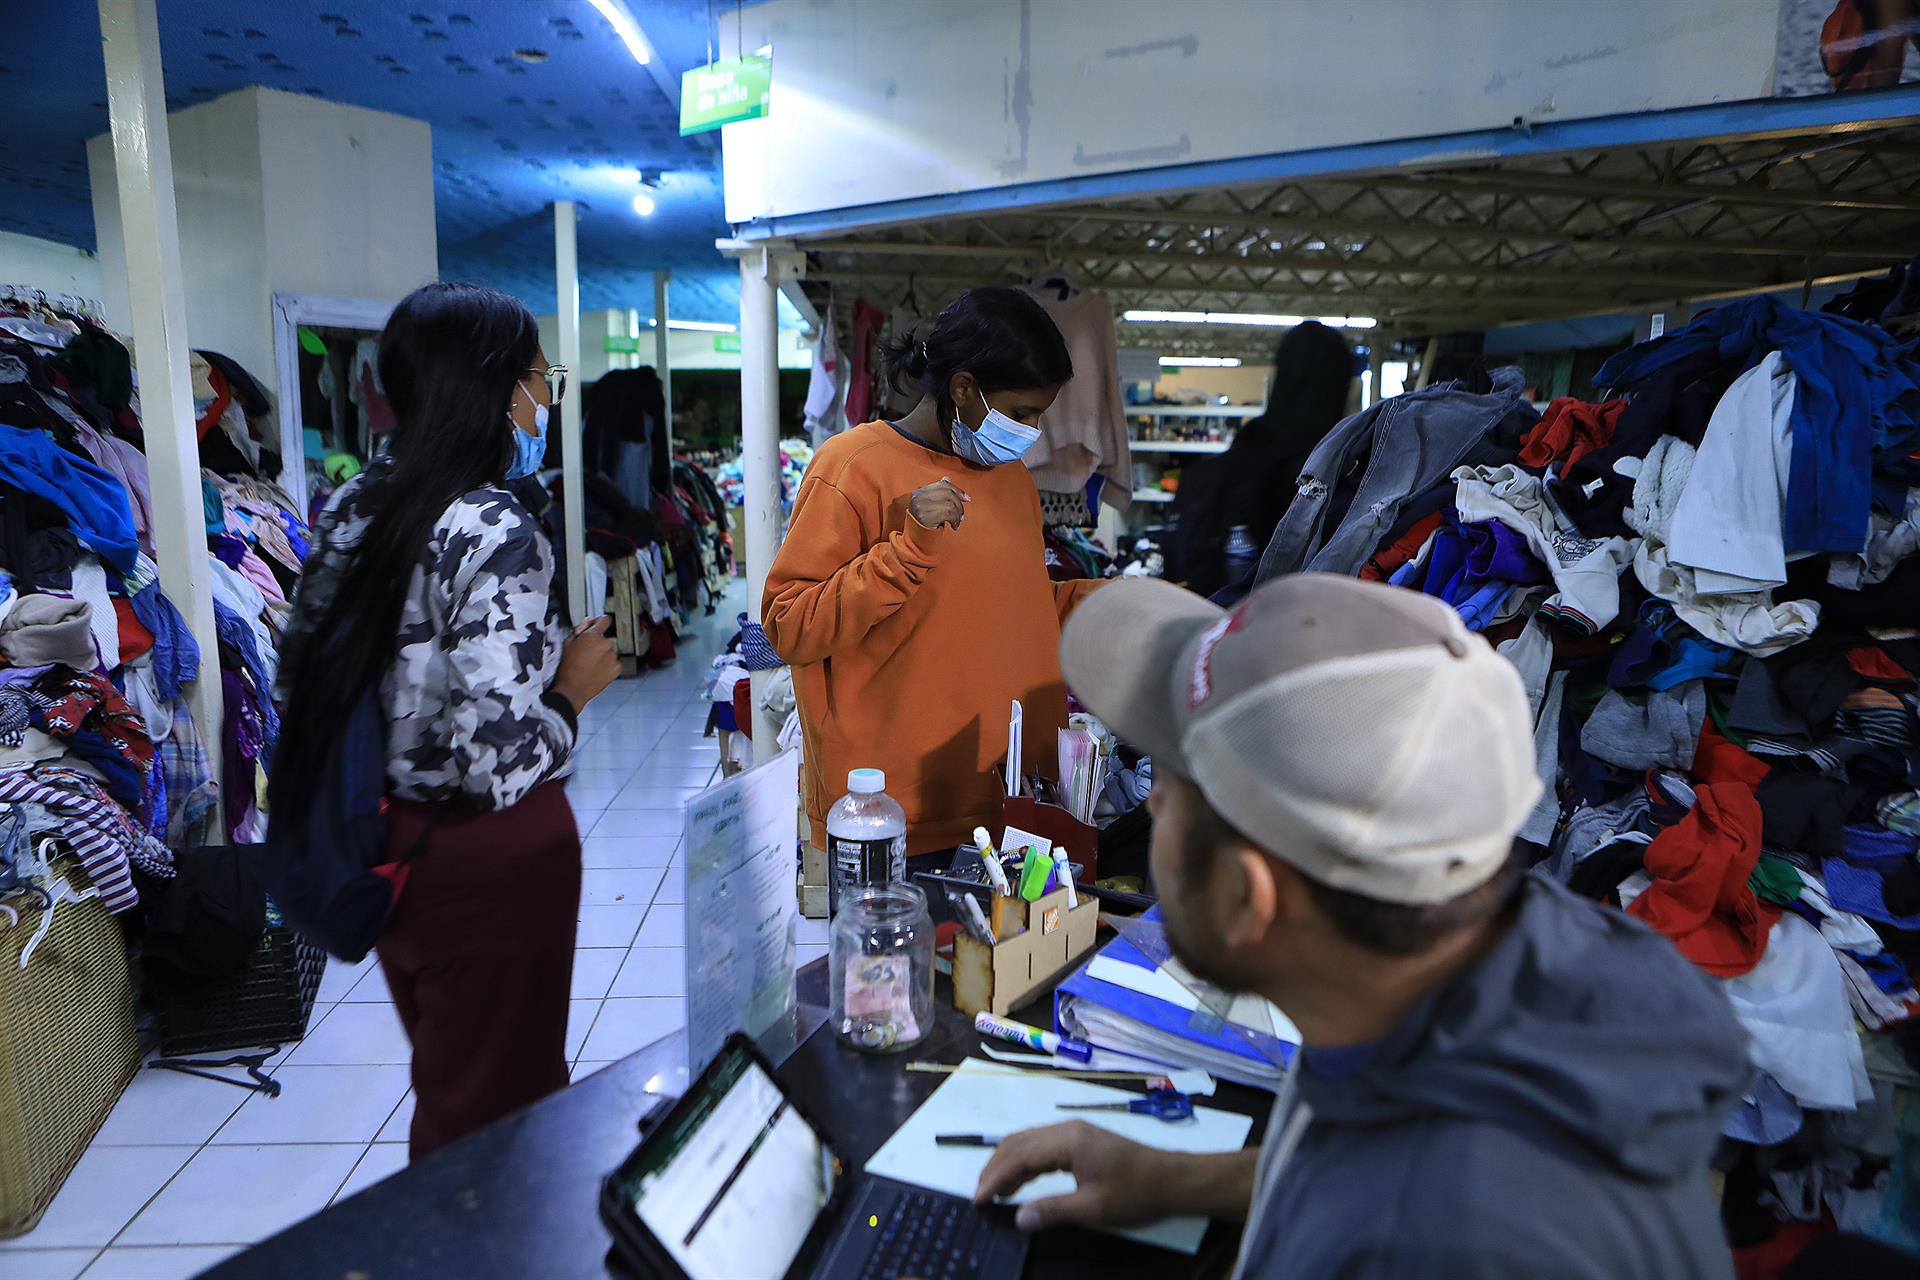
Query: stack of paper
982, 1098
1121, 1001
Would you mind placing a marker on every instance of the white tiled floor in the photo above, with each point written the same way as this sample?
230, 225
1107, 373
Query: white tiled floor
186, 1171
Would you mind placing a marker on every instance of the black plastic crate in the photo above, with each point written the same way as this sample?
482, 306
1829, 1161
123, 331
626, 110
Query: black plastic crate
268, 1003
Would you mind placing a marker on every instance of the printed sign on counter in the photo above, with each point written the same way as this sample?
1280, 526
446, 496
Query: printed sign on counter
741, 908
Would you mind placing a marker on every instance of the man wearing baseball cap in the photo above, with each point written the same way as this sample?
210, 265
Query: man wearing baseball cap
1497, 1078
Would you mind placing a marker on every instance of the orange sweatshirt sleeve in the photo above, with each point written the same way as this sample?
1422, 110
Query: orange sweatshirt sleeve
826, 590
1068, 595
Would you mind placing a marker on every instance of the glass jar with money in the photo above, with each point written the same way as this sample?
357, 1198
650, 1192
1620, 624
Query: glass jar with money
880, 968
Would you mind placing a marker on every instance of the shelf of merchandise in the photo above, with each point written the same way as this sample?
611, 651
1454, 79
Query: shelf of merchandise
1185, 415
1147, 499
1193, 411
1179, 446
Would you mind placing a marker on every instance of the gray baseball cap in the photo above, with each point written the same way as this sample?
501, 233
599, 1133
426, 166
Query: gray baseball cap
1358, 731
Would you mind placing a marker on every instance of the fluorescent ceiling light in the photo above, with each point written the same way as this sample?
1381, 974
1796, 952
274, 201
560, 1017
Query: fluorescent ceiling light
643, 204
1200, 362
703, 326
620, 18
1245, 318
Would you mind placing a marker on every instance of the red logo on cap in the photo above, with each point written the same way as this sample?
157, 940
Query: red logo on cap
1200, 687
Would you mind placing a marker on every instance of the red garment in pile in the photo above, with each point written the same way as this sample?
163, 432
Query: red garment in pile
135, 639
1769, 1259
1568, 431
1872, 662
1387, 560
85, 700
1699, 897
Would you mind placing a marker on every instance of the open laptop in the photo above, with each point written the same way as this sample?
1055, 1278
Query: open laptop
739, 1183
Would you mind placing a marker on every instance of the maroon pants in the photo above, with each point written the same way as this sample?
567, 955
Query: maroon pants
479, 957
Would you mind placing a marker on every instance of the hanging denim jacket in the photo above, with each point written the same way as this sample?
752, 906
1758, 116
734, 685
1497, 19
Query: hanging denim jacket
1374, 462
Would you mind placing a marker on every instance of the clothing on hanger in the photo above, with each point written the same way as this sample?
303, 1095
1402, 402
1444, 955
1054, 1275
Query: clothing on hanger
1084, 431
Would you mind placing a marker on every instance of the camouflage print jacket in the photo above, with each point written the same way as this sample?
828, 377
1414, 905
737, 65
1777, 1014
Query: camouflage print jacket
468, 710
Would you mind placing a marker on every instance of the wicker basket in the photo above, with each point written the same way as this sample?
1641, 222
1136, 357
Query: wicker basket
67, 1048
266, 1004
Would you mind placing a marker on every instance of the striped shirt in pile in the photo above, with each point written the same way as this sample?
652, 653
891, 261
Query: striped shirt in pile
1876, 715
106, 840
1823, 759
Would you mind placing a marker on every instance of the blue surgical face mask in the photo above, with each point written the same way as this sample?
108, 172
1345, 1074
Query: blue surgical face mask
997, 441
528, 450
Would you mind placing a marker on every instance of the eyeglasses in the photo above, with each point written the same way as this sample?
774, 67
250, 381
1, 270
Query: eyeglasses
556, 376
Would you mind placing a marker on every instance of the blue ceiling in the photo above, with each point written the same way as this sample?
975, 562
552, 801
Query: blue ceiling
509, 136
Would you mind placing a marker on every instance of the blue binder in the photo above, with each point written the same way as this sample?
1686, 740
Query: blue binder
1158, 1015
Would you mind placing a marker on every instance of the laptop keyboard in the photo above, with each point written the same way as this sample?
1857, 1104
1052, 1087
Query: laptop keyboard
929, 1237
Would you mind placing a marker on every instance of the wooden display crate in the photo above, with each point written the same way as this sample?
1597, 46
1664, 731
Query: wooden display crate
1051, 938
813, 879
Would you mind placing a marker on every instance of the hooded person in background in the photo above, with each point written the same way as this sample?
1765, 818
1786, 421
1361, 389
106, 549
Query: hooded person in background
1253, 483
1497, 1078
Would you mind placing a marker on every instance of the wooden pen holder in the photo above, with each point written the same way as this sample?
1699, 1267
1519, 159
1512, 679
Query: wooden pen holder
1050, 939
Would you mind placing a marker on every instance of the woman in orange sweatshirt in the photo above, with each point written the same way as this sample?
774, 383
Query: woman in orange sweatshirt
911, 595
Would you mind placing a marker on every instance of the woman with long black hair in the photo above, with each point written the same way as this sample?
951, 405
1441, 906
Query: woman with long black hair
431, 582
911, 594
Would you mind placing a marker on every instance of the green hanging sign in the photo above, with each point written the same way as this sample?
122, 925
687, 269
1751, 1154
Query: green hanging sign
729, 90
727, 343
620, 345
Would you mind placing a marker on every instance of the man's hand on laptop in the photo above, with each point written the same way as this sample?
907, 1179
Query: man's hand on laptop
1120, 1182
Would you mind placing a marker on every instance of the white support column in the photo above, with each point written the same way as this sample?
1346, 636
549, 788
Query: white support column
143, 170
573, 483
661, 364
760, 448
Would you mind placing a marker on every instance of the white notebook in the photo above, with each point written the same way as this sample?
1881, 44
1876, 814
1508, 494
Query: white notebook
982, 1097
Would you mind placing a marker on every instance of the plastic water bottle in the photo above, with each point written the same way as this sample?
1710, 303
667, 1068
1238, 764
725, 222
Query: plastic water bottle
1242, 555
866, 838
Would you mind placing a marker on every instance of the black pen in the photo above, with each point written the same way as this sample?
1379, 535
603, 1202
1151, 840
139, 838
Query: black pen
966, 1139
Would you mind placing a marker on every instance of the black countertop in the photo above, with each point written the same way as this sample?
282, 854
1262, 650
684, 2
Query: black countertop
519, 1199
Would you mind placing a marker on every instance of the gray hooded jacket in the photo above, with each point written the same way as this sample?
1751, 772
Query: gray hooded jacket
1548, 1114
